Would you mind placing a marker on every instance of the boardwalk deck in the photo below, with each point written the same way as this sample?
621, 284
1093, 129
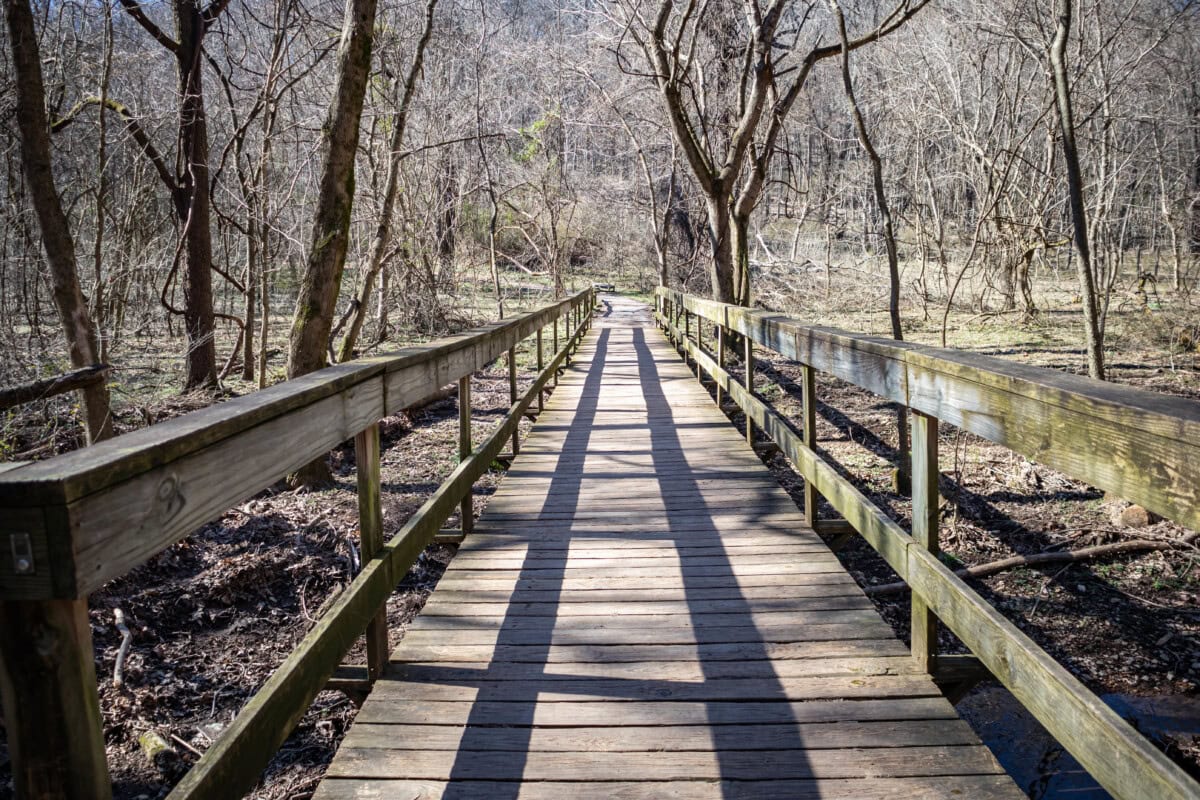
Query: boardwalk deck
642, 613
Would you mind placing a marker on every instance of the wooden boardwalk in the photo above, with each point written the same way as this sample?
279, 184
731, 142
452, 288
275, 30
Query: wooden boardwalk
642, 613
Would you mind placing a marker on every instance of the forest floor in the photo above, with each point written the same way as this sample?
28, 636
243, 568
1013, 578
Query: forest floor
214, 615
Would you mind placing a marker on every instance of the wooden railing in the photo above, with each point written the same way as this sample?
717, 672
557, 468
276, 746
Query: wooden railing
1142, 446
69, 524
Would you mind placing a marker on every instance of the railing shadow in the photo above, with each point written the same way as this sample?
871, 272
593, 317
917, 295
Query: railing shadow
734, 647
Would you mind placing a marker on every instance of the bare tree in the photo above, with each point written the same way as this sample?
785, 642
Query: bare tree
1094, 338
34, 131
331, 220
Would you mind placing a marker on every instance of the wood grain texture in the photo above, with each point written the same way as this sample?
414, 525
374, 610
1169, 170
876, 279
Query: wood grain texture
115, 504
1119, 757
643, 612
1151, 441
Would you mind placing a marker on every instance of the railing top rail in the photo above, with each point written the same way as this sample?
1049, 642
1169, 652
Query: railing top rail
1141, 445
72, 475
88, 516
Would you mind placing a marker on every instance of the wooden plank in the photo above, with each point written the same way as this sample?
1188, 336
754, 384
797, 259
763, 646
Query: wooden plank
599, 690
117, 529
639, 713
234, 763
1062, 420
756, 635
941, 787
370, 533
509, 581
1120, 759
413, 651
830, 586
51, 705
924, 531
683, 738
693, 670
691, 620
730, 765
438, 607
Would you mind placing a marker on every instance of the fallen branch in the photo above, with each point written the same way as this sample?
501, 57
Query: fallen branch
1051, 557
126, 638
39, 390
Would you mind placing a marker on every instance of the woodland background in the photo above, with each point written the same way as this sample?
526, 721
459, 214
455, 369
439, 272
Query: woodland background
537, 153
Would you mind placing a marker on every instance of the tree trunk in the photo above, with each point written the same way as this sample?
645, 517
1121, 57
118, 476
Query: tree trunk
889, 238
720, 268
383, 228
192, 199
1087, 279
34, 132
331, 221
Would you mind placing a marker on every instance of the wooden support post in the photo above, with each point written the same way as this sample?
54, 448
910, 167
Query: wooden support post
720, 361
370, 534
540, 367
749, 359
808, 397
924, 529
467, 510
512, 396
51, 706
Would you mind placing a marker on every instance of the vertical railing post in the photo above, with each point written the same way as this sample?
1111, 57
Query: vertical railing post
749, 381
720, 361
467, 510
924, 529
51, 704
512, 396
370, 534
687, 332
540, 367
808, 398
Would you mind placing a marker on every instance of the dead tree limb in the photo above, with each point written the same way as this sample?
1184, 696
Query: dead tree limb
1053, 557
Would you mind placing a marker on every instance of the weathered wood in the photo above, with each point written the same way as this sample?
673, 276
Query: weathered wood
92, 469
808, 383
49, 387
637, 713
370, 535
924, 530
51, 706
111, 506
647, 621
1088, 728
512, 395
685, 766
1151, 440
720, 360
235, 761
748, 377
1120, 759
830, 735
976, 787
467, 509
541, 400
